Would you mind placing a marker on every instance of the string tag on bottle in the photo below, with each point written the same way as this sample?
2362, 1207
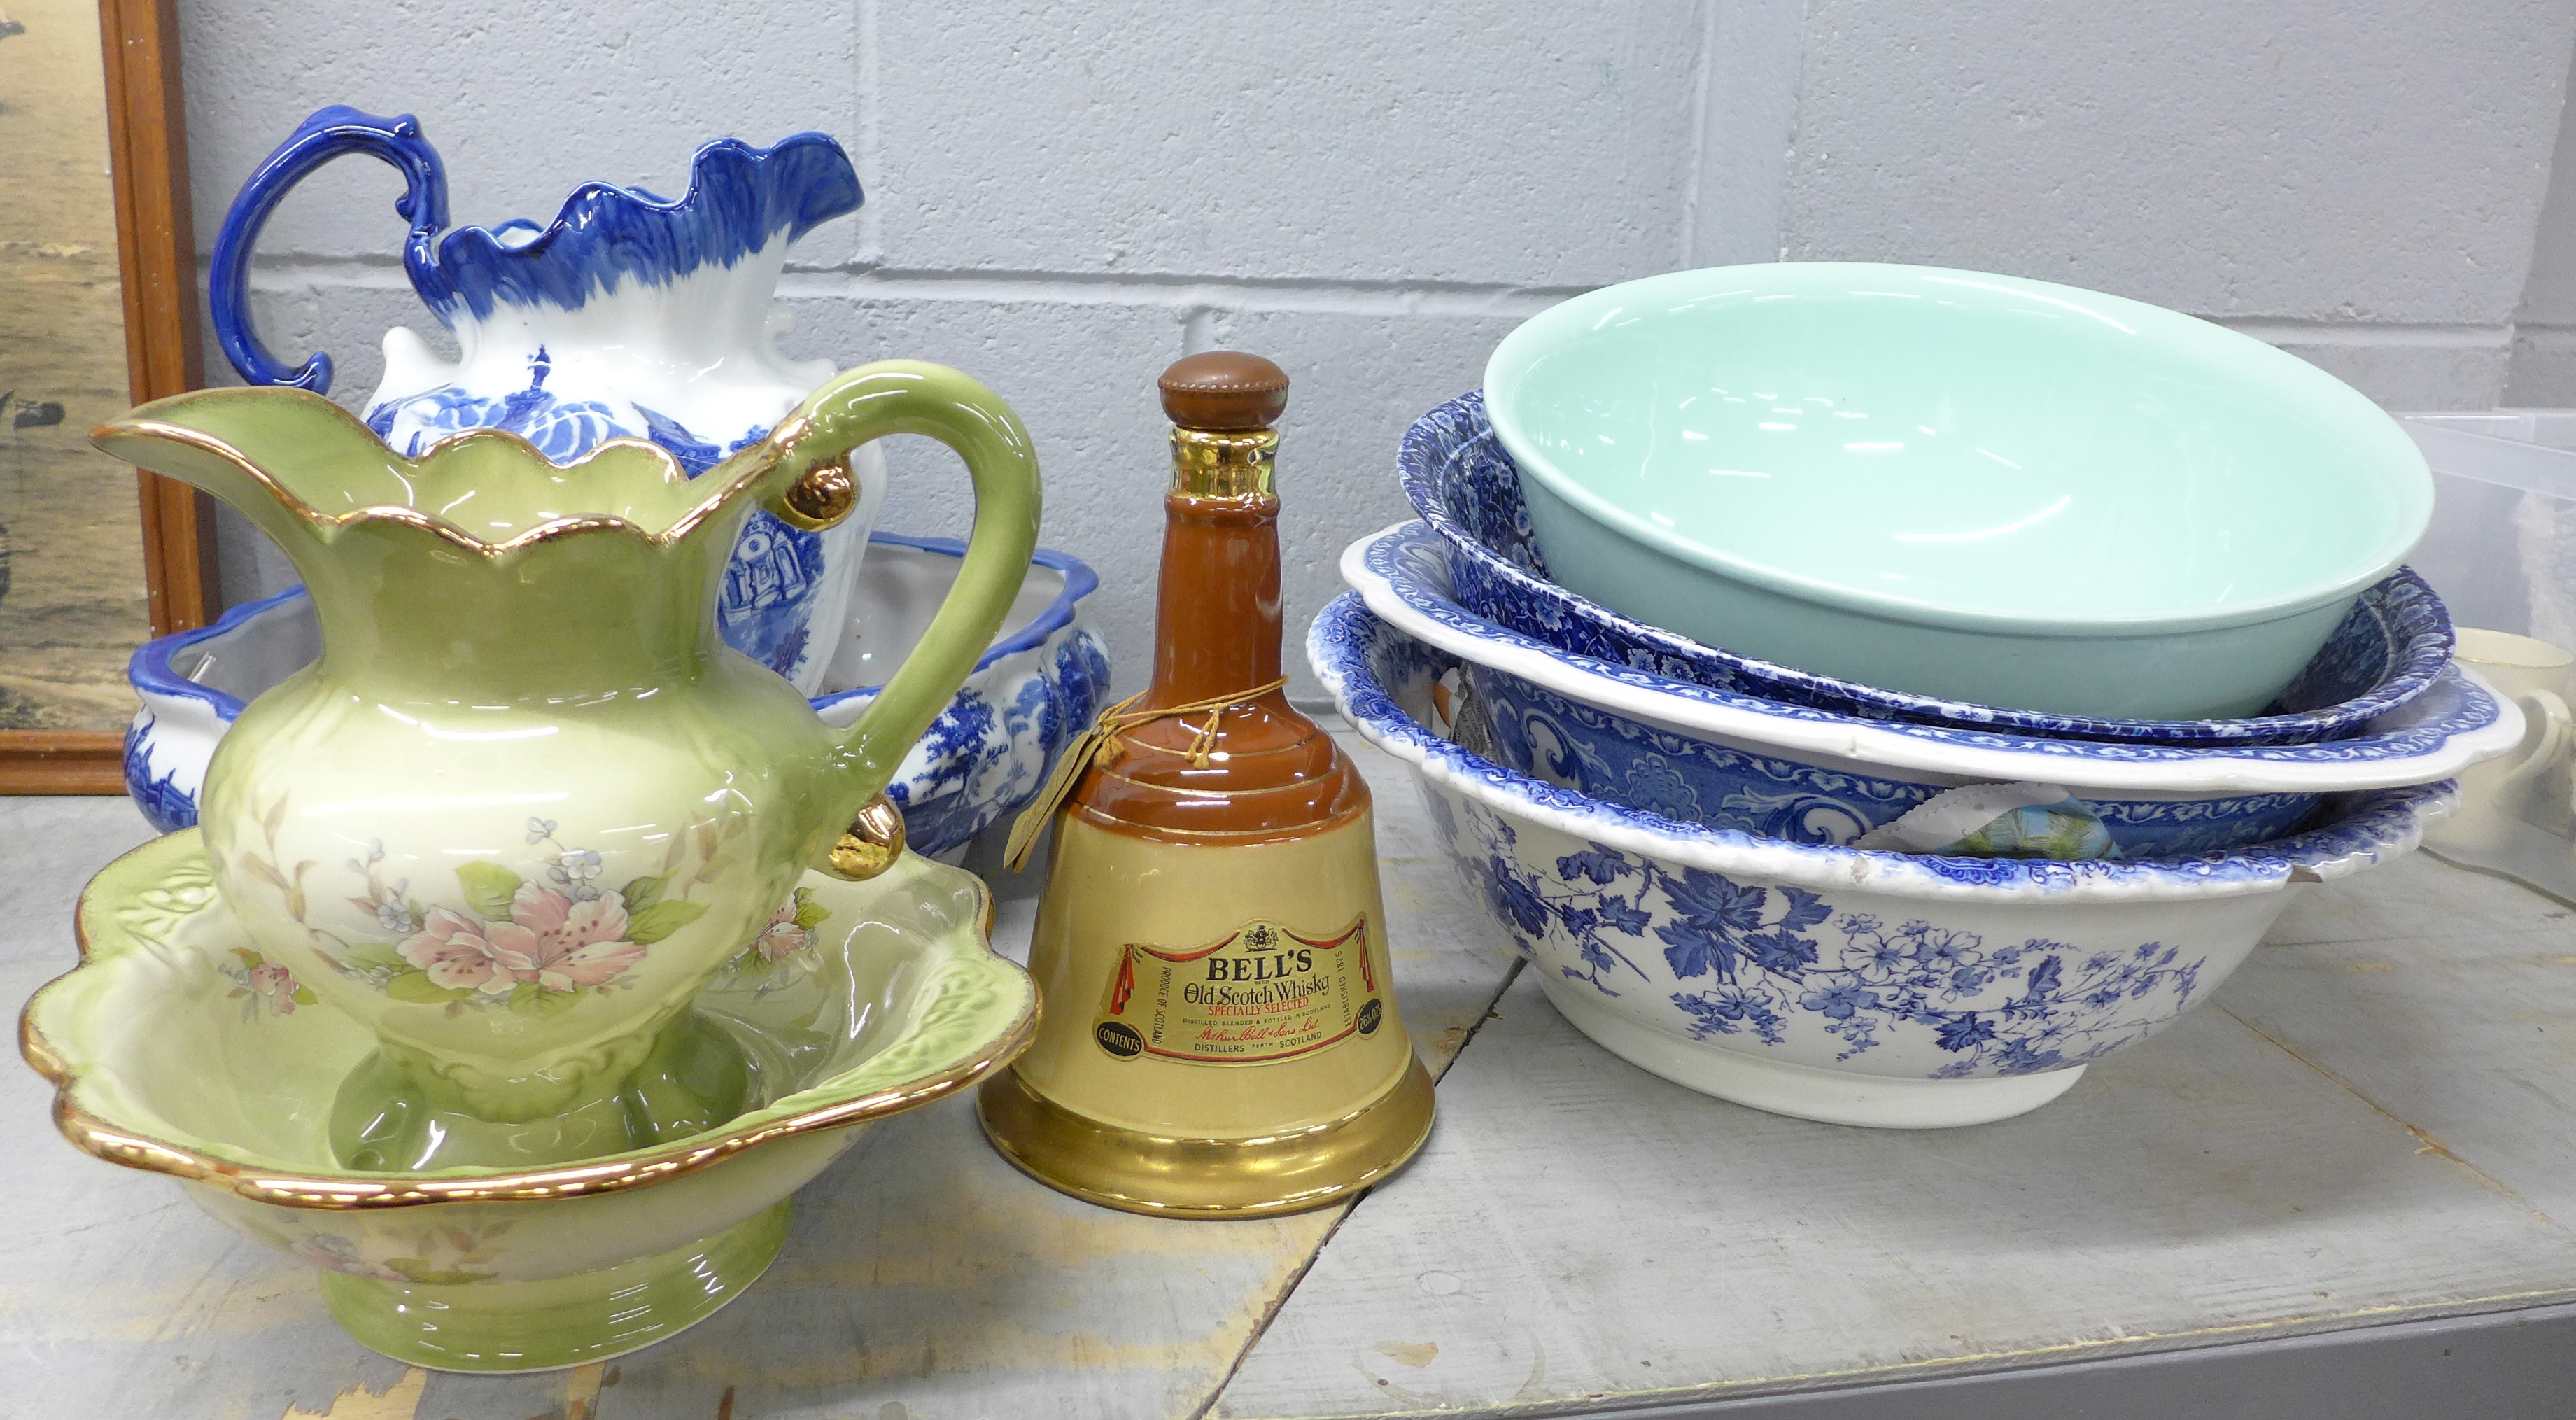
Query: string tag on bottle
1100, 744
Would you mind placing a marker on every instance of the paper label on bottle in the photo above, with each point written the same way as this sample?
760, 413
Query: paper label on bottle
1260, 993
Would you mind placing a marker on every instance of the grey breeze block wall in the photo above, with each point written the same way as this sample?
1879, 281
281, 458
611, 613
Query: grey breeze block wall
1063, 198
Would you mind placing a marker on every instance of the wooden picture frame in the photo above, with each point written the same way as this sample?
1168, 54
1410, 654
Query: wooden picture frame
156, 250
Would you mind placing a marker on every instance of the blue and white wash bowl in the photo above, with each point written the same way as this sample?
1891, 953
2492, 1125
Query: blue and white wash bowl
1739, 762
1884, 989
1035, 688
2385, 652
631, 316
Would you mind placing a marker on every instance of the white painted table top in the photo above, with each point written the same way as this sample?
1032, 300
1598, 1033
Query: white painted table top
2374, 1120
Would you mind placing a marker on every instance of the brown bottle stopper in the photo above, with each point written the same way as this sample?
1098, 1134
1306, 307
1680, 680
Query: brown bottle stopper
1224, 391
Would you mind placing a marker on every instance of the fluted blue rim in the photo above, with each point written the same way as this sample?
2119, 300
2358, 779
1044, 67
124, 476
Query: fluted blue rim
739, 199
151, 672
2416, 617
2427, 725
2372, 823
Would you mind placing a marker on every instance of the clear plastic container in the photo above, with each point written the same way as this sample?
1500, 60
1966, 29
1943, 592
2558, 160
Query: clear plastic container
2502, 548
2502, 552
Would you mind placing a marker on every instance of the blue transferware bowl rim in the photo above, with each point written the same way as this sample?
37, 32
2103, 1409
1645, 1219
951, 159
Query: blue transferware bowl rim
151, 673
2373, 824
2457, 723
2424, 651
2188, 331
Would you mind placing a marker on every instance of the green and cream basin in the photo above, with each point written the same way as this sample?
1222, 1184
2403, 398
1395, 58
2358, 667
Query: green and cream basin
177, 1046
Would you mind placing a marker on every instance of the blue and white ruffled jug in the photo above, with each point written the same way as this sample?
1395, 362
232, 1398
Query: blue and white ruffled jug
631, 315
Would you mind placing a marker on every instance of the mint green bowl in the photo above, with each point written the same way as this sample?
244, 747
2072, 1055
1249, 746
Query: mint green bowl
1997, 490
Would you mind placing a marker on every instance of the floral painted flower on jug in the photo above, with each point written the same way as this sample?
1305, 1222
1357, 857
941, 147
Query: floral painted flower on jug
531, 941
550, 942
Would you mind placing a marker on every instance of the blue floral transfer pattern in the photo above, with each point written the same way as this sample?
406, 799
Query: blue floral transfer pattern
1895, 965
1381, 679
165, 805
1758, 963
766, 608
1614, 758
2387, 650
1412, 563
562, 430
990, 751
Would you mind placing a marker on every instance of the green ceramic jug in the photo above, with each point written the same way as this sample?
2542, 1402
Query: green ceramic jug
527, 801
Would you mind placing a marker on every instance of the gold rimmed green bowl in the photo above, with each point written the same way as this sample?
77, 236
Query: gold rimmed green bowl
175, 1047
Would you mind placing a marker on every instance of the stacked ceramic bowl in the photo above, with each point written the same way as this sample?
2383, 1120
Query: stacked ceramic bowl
1874, 693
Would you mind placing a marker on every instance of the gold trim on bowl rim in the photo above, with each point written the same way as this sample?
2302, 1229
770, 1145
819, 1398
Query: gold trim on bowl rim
616, 1172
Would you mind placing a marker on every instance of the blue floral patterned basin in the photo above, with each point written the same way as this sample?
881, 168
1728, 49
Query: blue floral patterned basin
1034, 689
1728, 760
2385, 652
1862, 988
1700, 781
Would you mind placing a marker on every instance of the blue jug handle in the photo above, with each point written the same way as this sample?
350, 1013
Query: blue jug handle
326, 135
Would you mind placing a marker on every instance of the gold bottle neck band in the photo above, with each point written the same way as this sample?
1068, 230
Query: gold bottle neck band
1209, 463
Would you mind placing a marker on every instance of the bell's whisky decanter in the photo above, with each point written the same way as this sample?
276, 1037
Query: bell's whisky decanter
1220, 1036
